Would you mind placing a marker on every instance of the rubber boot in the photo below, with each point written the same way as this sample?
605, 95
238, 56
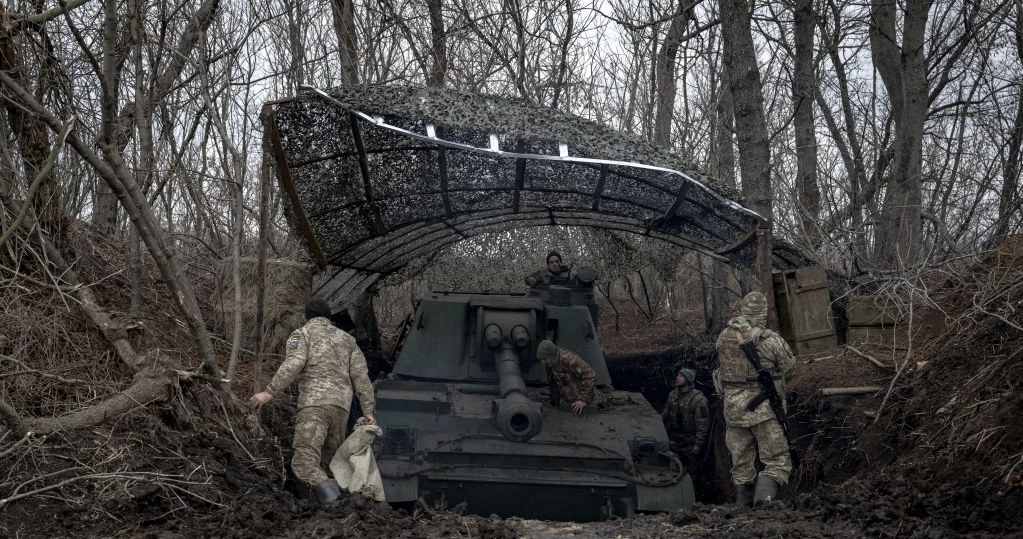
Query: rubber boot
744, 494
327, 492
766, 491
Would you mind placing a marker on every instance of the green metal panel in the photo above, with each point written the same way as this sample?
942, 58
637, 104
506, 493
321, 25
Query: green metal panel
872, 311
436, 344
669, 498
401, 489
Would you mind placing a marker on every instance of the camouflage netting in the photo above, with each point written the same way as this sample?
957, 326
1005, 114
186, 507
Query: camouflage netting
377, 177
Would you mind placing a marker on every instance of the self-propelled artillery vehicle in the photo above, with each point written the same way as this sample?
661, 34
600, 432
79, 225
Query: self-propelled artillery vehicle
467, 415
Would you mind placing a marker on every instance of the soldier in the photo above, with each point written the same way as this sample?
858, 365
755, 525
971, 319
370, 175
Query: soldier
748, 432
328, 366
687, 419
571, 377
553, 270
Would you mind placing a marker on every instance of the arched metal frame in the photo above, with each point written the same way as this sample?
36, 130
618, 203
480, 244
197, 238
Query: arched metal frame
376, 177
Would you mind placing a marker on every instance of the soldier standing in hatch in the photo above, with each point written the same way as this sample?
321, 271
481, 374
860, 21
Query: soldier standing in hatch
328, 366
571, 377
746, 432
687, 419
553, 270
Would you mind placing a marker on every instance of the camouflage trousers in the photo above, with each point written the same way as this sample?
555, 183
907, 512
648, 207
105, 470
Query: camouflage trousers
319, 431
767, 438
684, 449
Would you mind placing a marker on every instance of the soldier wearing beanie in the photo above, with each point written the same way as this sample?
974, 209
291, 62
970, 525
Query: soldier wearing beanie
329, 368
571, 377
686, 417
746, 432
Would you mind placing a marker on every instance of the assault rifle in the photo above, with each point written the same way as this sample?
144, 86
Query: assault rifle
769, 393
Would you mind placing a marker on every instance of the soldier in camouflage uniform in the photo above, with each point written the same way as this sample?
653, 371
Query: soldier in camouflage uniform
687, 419
571, 377
328, 366
553, 270
748, 433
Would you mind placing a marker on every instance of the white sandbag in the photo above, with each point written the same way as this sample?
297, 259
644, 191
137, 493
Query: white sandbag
354, 466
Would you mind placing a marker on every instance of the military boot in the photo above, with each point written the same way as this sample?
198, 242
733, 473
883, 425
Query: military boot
766, 491
744, 494
327, 492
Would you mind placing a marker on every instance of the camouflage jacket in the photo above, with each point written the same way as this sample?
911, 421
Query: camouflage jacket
686, 416
736, 379
328, 366
574, 378
544, 276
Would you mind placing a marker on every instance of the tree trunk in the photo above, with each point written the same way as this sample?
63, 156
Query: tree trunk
806, 141
724, 169
750, 128
665, 83
31, 135
438, 40
904, 73
344, 25
562, 74
748, 105
296, 21
1008, 202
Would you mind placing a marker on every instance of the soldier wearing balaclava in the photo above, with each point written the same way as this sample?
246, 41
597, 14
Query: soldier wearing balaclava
748, 433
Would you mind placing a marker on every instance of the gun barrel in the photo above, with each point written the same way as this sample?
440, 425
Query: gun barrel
518, 418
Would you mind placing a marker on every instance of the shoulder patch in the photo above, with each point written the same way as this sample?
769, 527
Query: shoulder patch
293, 342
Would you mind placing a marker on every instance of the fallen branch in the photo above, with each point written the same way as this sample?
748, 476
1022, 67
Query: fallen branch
15, 445
9, 416
858, 390
149, 385
188, 375
866, 357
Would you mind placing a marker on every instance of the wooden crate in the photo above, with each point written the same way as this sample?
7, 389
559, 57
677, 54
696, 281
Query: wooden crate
804, 309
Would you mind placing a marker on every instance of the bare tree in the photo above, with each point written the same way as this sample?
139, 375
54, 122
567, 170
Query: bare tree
903, 69
803, 92
344, 25
439, 46
1009, 199
748, 104
665, 79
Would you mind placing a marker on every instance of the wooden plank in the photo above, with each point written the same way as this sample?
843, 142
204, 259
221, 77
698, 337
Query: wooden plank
858, 390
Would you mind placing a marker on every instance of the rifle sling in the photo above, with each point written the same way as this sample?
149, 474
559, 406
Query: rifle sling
756, 401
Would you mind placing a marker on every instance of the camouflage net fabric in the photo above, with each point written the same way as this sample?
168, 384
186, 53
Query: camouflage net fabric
378, 176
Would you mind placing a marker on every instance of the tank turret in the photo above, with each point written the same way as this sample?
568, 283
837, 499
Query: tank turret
467, 417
